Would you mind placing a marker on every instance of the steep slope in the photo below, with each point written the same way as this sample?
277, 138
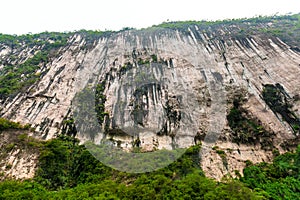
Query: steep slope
176, 84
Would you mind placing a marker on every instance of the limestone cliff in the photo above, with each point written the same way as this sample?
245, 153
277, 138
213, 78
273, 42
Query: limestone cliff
176, 86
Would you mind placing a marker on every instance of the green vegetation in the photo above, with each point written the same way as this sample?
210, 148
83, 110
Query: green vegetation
69, 127
247, 130
91, 36
66, 170
286, 27
90, 109
21, 77
100, 99
142, 162
18, 76
7, 124
278, 100
154, 58
9, 40
278, 180
222, 154
57, 39
143, 61
85, 111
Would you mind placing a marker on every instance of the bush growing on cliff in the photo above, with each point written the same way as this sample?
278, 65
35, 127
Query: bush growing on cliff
245, 129
277, 99
7, 124
18, 76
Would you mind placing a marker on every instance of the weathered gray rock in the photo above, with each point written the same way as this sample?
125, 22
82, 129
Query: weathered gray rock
189, 79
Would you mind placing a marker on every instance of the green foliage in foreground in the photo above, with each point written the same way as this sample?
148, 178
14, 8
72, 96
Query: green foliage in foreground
278, 180
68, 171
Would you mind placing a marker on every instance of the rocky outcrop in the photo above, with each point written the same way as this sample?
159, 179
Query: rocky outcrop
165, 88
19, 155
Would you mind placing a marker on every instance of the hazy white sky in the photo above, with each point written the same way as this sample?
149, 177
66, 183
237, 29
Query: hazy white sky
24, 16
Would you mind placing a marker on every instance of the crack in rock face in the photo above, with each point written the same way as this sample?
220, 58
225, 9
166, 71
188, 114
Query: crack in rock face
150, 100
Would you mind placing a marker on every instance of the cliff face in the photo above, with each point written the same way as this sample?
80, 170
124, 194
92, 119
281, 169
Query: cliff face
165, 88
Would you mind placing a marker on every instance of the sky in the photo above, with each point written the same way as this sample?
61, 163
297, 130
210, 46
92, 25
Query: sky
34, 16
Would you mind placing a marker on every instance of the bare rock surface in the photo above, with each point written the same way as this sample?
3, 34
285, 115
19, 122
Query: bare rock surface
18, 160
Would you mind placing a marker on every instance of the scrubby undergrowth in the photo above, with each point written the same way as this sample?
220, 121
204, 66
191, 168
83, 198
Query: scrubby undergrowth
66, 170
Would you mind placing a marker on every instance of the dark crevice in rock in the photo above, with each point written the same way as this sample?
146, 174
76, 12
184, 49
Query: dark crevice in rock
30, 109
226, 63
173, 116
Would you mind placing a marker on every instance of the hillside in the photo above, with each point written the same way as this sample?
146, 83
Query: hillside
228, 88
67, 170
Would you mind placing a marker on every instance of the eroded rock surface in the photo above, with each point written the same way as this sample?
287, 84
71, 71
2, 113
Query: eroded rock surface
174, 87
18, 159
